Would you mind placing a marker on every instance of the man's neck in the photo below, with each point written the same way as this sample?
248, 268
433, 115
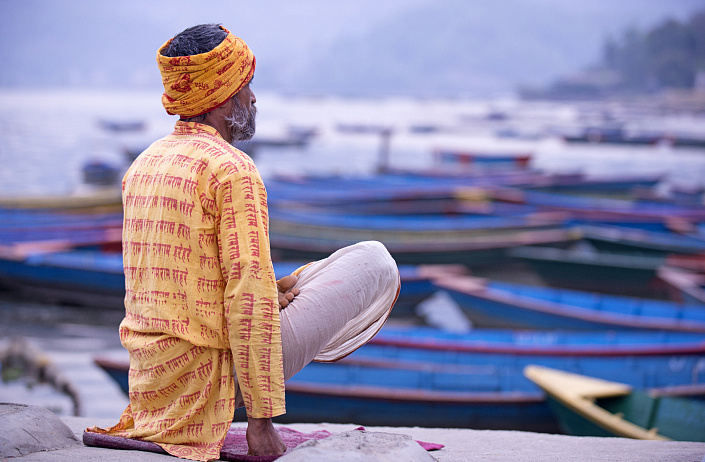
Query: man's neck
220, 124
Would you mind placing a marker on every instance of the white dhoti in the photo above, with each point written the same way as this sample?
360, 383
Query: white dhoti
344, 301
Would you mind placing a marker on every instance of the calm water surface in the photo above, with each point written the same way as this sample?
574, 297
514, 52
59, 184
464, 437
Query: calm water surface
47, 136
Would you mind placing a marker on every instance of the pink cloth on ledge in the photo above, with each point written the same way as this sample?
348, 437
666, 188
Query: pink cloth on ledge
234, 448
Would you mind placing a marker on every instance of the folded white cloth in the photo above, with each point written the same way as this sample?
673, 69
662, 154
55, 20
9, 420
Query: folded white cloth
345, 300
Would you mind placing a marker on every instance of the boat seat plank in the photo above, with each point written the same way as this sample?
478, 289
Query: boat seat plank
575, 385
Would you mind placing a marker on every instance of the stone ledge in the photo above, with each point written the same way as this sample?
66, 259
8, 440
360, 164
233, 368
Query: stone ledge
360, 446
25, 429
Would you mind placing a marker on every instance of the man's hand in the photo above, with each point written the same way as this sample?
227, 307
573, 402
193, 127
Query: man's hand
263, 439
286, 289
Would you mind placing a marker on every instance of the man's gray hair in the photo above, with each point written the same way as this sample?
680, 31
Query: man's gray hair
195, 40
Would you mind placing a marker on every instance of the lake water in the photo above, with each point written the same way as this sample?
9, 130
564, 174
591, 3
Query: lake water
47, 136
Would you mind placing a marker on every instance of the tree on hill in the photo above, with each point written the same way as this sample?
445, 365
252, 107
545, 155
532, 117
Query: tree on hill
668, 56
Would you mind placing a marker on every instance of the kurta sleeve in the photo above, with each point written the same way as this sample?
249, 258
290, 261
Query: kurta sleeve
250, 297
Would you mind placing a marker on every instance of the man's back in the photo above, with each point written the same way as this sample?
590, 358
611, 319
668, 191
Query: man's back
195, 252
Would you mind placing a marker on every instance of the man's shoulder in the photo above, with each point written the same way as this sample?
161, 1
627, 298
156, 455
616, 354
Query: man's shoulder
199, 152
229, 157
220, 162
203, 145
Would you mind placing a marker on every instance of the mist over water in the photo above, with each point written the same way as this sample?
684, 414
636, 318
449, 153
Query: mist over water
46, 137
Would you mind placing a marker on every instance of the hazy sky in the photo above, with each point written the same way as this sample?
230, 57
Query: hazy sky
324, 45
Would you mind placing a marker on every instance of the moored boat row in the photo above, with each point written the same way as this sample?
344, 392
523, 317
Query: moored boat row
472, 380
610, 304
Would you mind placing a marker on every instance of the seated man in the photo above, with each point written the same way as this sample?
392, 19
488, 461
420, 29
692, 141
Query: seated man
207, 326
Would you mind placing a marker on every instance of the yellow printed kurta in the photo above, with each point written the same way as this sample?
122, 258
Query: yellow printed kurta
201, 294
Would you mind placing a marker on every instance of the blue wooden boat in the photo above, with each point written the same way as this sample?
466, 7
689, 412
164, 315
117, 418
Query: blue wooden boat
499, 304
686, 262
684, 286
473, 251
393, 393
100, 173
293, 136
95, 278
123, 125
419, 185
679, 194
536, 342
417, 283
483, 159
613, 134
602, 209
28, 218
626, 186
413, 191
517, 178
632, 241
436, 191
418, 239
471, 380
690, 195
334, 189
374, 390
700, 230
337, 395
619, 135
419, 226
104, 199
585, 268
23, 229
80, 277
642, 359
378, 190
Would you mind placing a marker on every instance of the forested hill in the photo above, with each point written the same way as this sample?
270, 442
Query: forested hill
423, 48
669, 55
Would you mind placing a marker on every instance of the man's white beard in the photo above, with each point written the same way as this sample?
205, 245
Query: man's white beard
241, 122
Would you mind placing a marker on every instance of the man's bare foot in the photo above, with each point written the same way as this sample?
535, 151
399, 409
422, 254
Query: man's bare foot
263, 439
286, 289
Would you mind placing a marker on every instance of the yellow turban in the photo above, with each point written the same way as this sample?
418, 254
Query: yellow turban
194, 85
